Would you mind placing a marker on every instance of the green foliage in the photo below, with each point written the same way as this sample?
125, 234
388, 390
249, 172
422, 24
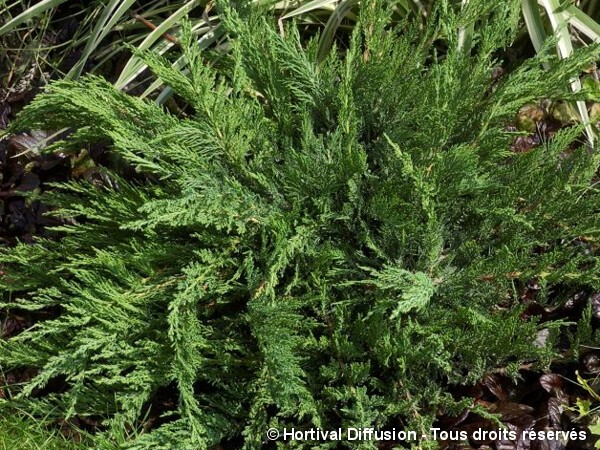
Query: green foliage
595, 429
18, 433
321, 243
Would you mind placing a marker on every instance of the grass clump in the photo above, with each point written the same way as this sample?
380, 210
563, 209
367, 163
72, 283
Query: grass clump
18, 433
320, 244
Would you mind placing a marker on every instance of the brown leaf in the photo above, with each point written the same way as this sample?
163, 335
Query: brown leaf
551, 382
595, 300
12, 325
510, 411
4, 112
533, 309
497, 386
591, 361
555, 410
32, 142
524, 144
29, 182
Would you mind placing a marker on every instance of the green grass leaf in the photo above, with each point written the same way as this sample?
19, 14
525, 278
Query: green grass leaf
29, 13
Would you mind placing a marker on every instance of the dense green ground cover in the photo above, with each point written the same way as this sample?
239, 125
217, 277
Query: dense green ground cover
322, 241
22, 434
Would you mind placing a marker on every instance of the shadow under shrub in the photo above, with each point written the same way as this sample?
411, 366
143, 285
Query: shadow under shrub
318, 245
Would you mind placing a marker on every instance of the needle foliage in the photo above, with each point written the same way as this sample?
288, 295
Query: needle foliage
320, 244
